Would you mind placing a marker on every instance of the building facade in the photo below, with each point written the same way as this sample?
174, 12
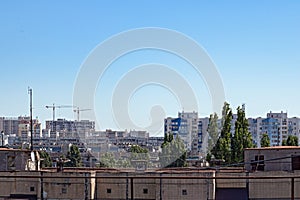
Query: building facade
277, 125
17, 130
67, 128
189, 128
277, 158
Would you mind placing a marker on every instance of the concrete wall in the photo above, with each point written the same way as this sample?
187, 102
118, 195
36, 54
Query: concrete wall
18, 186
231, 183
67, 185
155, 186
167, 184
274, 188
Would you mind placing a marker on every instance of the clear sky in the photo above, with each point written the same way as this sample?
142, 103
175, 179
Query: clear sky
255, 46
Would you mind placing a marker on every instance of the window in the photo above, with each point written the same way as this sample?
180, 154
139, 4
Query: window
31, 189
145, 191
108, 191
296, 163
63, 190
260, 165
11, 165
184, 192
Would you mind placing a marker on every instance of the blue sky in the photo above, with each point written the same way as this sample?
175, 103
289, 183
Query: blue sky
255, 46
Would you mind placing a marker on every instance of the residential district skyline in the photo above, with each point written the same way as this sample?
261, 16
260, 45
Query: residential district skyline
255, 47
75, 116
188, 125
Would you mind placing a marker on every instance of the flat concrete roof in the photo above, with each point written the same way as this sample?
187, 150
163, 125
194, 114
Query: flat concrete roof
9, 149
274, 148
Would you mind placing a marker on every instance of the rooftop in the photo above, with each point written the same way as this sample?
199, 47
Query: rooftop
9, 149
274, 148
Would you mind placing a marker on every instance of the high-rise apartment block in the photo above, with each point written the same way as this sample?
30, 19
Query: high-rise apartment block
19, 127
189, 128
69, 128
9, 125
193, 130
277, 125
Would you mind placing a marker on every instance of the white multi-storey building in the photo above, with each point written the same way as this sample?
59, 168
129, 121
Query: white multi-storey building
193, 130
294, 126
189, 128
255, 128
277, 125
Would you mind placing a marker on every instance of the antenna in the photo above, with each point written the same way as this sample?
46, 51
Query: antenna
53, 113
31, 124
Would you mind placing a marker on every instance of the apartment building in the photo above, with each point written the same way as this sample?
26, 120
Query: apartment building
277, 125
294, 126
67, 128
17, 130
188, 127
9, 125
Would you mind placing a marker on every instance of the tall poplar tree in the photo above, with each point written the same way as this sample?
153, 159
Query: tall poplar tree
242, 137
213, 131
222, 149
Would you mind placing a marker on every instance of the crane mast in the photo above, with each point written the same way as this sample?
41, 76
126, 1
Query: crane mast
53, 113
78, 110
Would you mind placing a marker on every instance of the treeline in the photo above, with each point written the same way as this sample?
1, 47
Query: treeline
72, 159
227, 147
173, 154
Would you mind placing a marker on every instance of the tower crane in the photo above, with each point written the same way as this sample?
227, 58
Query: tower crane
53, 110
78, 110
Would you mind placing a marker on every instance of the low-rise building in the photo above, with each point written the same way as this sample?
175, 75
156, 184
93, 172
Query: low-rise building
163, 184
19, 160
278, 158
172, 183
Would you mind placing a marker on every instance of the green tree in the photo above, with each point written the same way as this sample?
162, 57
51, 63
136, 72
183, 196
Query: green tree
173, 152
74, 157
292, 140
222, 149
283, 143
123, 163
213, 131
45, 159
265, 140
242, 137
139, 153
107, 160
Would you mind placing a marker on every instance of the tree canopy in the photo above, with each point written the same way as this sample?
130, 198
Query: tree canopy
230, 147
292, 140
242, 137
46, 159
213, 131
173, 152
222, 149
265, 140
74, 157
139, 153
108, 160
